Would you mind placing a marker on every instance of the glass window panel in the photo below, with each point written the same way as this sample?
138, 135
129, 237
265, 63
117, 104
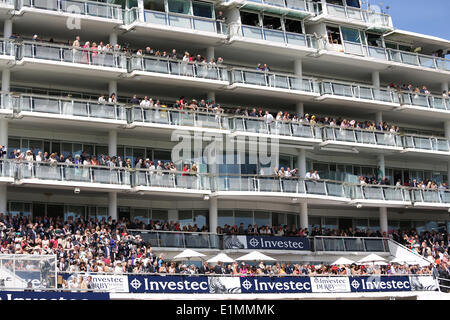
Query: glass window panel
185, 217
13, 144
330, 223
162, 155
66, 149
202, 9
263, 218
361, 224
89, 148
351, 35
20, 208
155, 5
56, 147
75, 212
201, 218
179, 6
140, 215
314, 222
160, 215
278, 218
374, 224
77, 149
291, 220
225, 217
99, 150
102, 212
245, 217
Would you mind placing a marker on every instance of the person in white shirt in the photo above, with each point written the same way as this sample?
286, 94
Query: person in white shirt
145, 103
315, 175
113, 98
268, 117
309, 175
39, 156
102, 99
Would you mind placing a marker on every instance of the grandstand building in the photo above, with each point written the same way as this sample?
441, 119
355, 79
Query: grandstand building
327, 58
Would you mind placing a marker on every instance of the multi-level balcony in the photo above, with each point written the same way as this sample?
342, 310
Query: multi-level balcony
223, 186
293, 8
72, 111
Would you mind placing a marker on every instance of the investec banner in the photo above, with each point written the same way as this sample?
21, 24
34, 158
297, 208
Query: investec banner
266, 242
380, 283
111, 283
275, 285
29, 295
168, 284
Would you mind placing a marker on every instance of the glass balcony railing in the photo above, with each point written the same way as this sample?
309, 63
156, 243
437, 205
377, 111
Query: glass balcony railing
75, 55
88, 8
68, 107
7, 48
178, 68
426, 143
426, 101
184, 21
379, 138
357, 14
273, 80
359, 92
70, 173
177, 180
279, 36
174, 239
296, 8
350, 244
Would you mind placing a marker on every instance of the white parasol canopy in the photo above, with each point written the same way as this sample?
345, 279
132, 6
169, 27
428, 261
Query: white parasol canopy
255, 256
188, 254
371, 258
342, 261
411, 261
220, 257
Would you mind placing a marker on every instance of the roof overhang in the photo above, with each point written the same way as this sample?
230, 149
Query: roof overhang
417, 39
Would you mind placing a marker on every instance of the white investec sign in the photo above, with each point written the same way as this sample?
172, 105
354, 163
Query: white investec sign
330, 284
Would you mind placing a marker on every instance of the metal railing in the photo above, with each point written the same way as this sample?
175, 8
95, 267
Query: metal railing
350, 244
178, 68
70, 54
179, 239
273, 80
358, 14
298, 5
64, 172
280, 36
82, 7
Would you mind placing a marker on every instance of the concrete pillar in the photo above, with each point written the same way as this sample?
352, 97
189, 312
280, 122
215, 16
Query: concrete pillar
112, 205
3, 199
140, 4
300, 109
6, 79
378, 117
113, 38
209, 53
7, 28
381, 167
4, 132
112, 143
303, 215
301, 162
383, 220
211, 96
444, 87
376, 79
298, 68
213, 216
112, 87
233, 18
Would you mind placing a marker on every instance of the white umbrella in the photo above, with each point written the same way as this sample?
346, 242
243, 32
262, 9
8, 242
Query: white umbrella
371, 258
342, 261
220, 257
188, 254
255, 256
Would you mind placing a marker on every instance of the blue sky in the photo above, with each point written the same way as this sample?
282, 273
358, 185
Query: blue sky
429, 17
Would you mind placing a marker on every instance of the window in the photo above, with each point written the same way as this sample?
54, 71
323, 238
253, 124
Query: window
13, 144
160, 215
225, 217
294, 26
361, 224
334, 36
162, 155
353, 3
263, 218
245, 217
270, 22
75, 212
201, 218
179, 6
313, 222
374, 40
20, 208
250, 19
139, 214
352, 35
278, 219
185, 217
155, 5
330, 223
203, 9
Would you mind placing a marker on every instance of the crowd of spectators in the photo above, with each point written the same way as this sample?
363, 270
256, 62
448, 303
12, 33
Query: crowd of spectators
416, 90
106, 246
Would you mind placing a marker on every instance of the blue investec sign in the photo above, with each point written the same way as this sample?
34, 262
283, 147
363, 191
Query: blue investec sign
380, 284
277, 243
275, 285
168, 284
29, 295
